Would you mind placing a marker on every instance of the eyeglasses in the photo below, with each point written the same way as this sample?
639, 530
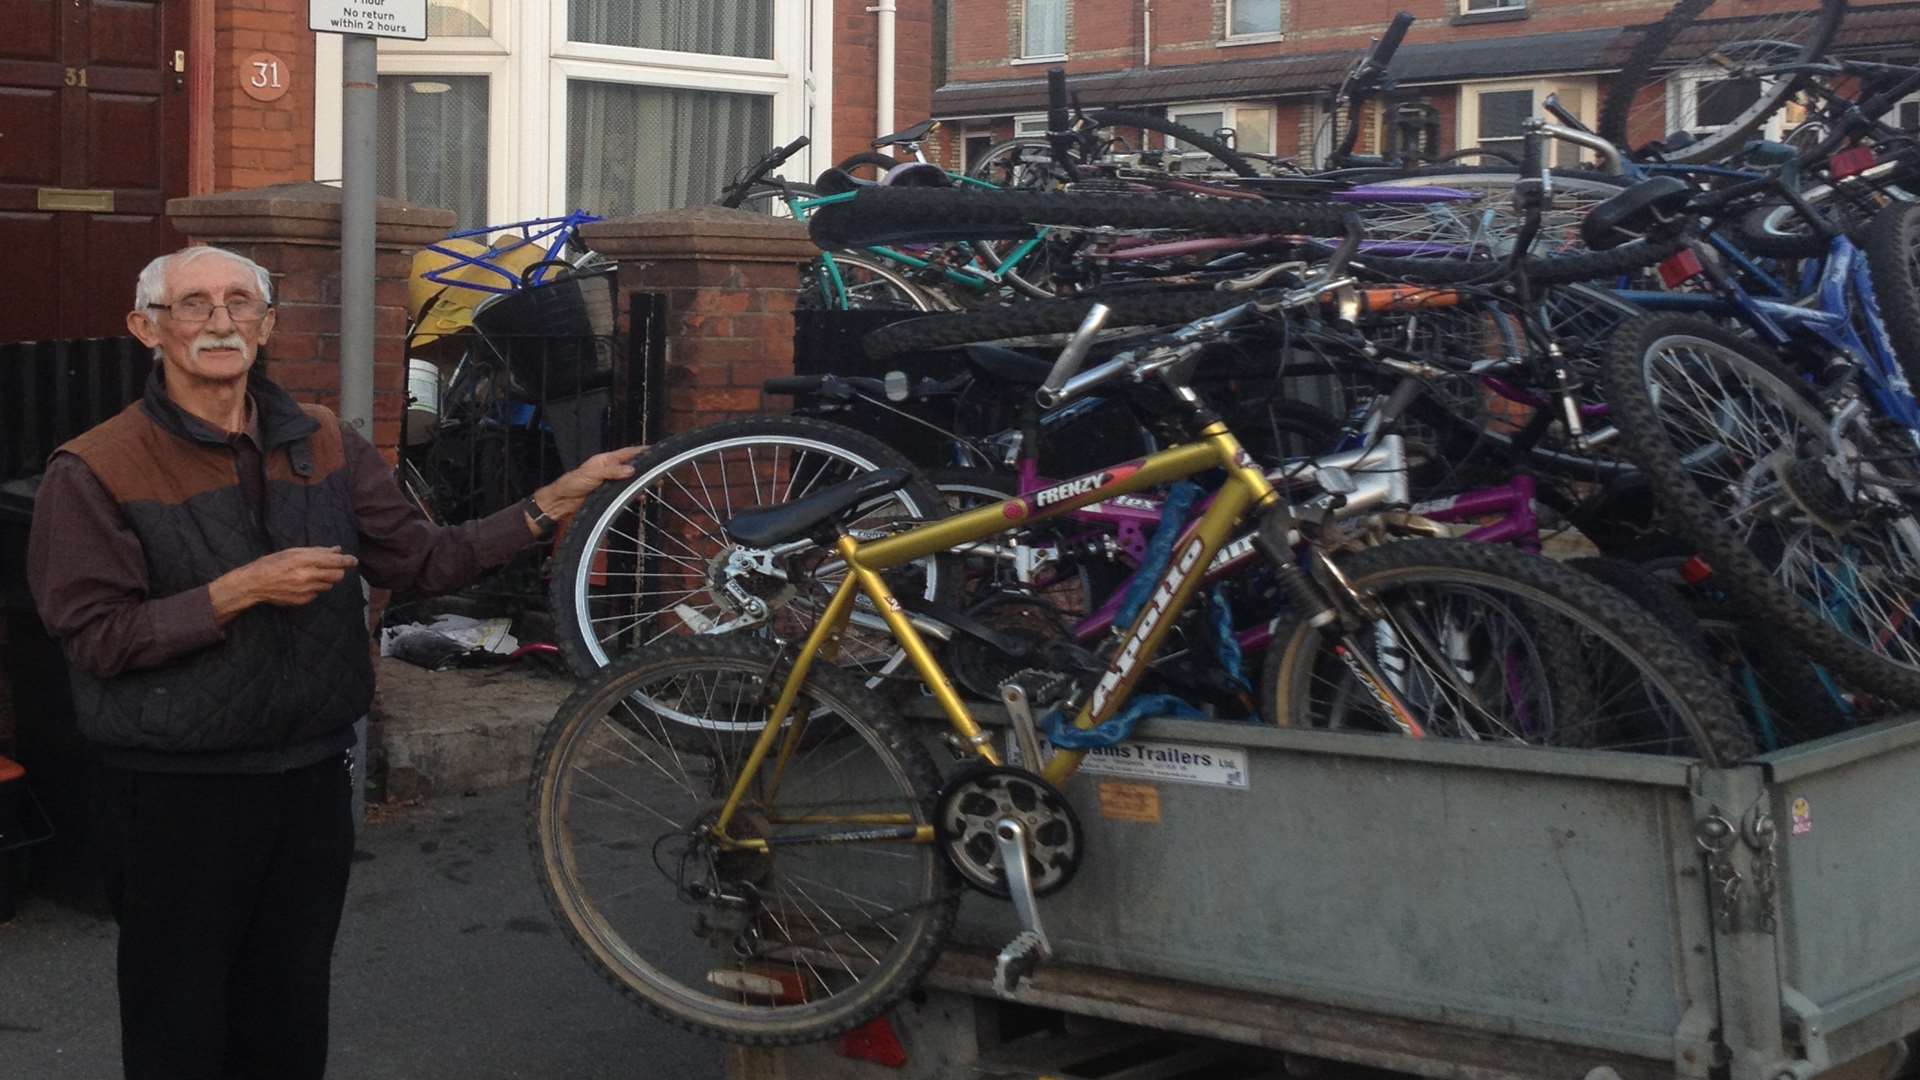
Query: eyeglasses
198, 309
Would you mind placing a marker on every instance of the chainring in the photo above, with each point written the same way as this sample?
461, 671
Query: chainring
977, 798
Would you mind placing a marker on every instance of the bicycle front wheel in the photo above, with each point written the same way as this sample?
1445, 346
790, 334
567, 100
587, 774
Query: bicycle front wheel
1487, 644
798, 939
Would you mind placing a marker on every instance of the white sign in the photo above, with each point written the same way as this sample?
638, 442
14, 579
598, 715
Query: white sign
1142, 759
379, 18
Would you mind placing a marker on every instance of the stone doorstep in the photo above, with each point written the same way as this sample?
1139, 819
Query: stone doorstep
439, 733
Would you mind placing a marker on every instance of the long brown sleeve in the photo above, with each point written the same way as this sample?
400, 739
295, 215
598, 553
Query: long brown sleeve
401, 549
89, 579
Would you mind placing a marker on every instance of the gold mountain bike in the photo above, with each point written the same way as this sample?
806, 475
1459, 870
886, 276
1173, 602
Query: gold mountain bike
749, 840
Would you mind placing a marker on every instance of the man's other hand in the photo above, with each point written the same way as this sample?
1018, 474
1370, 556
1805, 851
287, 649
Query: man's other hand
288, 578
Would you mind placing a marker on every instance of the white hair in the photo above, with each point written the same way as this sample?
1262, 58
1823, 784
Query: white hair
153, 279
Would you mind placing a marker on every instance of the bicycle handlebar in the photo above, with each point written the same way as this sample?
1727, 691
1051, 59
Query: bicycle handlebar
775, 158
1389, 42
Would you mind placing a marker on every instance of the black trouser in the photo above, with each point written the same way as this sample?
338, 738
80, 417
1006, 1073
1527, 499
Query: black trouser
228, 890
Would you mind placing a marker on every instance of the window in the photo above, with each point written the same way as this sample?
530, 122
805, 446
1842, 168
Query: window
634, 148
1700, 102
715, 27
1501, 113
459, 18
1254, 17
1491, 114
514, 109
973, 146
1251, 125
1477, 7
1044, 29
1906, 114
1033, 124
433, 143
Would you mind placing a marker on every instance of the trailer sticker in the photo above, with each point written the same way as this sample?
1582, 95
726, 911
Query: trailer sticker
1143, 759
1802, 817
1130, 802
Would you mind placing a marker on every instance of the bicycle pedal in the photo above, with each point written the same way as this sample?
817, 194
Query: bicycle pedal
1018, 961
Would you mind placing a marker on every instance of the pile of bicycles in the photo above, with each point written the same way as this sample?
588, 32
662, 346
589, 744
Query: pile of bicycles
1620, 458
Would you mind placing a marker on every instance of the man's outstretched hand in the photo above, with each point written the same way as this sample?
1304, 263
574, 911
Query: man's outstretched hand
564, 497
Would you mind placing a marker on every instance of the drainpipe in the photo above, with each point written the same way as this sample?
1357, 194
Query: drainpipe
883, 89
1146, 33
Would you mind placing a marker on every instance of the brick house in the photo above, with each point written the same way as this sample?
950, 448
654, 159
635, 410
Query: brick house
511, 109
1470, 70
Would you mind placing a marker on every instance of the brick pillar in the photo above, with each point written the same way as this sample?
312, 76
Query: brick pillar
730, 278
294, 231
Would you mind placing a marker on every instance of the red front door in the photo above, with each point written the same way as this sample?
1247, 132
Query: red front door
93, 141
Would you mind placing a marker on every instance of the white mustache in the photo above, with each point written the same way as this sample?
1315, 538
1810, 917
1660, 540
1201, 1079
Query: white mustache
228, 341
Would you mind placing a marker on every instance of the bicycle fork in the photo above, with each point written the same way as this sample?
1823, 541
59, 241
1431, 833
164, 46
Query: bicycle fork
1279, 538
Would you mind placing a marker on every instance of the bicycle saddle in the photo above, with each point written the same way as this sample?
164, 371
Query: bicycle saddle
1631, 213
771, 525
909, 135
1008, 366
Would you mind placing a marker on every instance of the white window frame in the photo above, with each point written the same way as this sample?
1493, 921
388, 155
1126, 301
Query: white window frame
1892, 117
1229, 117
1025, 57
1487, 7
1258, 37
1683, 103
1467, 118
1027, 124
527, 59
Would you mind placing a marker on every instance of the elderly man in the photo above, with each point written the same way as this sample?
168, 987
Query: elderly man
200, 557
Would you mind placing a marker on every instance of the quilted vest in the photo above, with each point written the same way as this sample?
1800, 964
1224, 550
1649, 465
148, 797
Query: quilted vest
287, 683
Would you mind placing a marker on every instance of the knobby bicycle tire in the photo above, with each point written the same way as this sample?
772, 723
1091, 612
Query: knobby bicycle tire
1199, 140
636, 954
1036, 318
1713, 731
883, 215
1549, 270
1748, 583
1893, 246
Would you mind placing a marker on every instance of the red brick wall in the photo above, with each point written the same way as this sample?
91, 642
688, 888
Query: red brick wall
258, 143
855, 64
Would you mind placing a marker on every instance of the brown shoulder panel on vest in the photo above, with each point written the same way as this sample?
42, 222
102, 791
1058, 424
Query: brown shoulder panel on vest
325, 448
138, 462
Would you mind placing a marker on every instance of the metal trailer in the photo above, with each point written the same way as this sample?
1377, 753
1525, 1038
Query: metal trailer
1452, 910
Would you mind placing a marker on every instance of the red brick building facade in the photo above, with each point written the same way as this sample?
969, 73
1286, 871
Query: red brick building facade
1268, 68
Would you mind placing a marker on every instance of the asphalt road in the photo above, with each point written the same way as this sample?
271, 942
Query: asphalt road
448, 966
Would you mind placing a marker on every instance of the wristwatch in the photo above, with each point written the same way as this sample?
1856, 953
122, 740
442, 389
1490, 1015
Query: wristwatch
543, 523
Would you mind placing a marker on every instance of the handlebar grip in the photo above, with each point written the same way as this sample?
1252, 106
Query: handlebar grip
1389, 42
781, 155
1057, 116
794, 384
1533, 157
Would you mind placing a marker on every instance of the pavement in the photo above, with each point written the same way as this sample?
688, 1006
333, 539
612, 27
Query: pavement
448, 966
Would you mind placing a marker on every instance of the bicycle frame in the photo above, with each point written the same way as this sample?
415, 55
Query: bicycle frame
1831, 322
1245, 490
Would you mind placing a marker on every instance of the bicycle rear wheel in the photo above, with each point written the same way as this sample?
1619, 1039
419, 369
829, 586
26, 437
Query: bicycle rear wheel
1797, 534
1676, 77
1490, 645
799, 941
649, 559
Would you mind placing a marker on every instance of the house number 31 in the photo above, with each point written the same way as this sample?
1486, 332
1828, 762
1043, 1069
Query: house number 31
264, 77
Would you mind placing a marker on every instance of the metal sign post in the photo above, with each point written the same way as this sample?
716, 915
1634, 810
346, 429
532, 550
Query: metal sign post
363, 22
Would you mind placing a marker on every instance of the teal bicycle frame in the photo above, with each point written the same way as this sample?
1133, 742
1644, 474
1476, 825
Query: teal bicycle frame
972, 276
